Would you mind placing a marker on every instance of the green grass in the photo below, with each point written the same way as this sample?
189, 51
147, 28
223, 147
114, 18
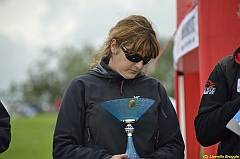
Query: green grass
31, 137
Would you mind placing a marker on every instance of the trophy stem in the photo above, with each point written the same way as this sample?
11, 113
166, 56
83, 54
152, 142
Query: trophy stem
131, 151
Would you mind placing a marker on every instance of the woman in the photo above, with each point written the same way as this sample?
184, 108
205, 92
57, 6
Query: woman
84, 129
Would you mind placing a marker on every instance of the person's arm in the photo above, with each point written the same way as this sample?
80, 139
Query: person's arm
5, 129
170, 143
215, 111
68, 135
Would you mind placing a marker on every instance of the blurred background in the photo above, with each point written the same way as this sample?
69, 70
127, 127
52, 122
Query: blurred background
44, 44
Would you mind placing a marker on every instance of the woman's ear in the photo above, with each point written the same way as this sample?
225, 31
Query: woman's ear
113, 46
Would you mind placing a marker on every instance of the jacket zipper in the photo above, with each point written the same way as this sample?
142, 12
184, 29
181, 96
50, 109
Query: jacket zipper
89, 135
121, 89
156, 139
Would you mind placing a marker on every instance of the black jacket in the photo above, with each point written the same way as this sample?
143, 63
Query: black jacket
5, 129
84, 129
219, 103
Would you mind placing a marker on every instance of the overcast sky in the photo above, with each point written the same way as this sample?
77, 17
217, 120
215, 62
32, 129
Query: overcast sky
28, 26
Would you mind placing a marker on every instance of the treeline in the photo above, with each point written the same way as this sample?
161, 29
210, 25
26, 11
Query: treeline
48, 77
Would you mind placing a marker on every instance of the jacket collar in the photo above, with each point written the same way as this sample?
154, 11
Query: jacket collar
104, 70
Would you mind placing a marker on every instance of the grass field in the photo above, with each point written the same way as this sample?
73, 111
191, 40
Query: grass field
31, 137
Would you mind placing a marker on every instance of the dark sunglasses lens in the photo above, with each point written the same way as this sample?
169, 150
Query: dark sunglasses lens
134, 58
146, 60
137, 58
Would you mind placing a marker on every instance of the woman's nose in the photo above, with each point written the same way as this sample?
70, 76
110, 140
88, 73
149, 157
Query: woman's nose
139, 64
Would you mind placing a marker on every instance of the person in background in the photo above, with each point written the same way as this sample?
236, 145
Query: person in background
219, 103
5, 129
84, 129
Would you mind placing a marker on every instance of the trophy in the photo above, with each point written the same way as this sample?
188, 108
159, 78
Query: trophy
128, 110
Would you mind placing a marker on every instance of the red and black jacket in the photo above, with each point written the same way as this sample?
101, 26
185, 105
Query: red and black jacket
219, 103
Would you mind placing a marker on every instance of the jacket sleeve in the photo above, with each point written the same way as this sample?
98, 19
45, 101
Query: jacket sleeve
5, 129
169, 143
215, 110
68, 136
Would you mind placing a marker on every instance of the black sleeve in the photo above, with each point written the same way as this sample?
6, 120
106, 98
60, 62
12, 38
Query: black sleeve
215, 110
5, 129
170, 143
68, 135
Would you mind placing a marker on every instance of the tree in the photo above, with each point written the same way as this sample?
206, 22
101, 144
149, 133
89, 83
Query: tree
50, 75
163, 69
52, 72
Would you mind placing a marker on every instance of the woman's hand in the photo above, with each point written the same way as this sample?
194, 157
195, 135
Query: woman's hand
121, 156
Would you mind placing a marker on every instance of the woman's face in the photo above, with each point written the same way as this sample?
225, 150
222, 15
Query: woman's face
120, 64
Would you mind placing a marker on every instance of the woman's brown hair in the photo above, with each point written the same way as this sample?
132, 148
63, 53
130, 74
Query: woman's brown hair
135, 30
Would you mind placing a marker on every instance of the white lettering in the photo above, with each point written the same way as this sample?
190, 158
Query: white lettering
209, 90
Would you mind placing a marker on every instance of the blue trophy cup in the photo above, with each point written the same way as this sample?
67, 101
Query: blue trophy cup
128, 110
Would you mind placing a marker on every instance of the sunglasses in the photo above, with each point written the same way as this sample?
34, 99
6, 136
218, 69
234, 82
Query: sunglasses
134, 57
